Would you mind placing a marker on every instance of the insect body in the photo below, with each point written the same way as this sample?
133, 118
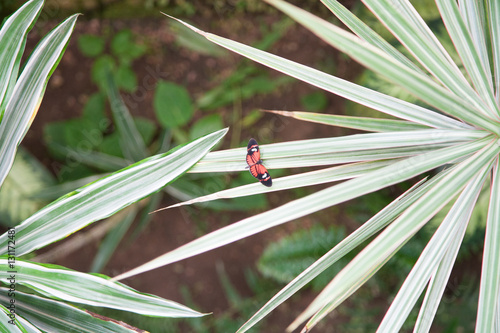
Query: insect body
255, 164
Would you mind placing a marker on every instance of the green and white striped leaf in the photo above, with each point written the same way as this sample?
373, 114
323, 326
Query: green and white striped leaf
373, 181
437, 285
20, 325
474, 17
28, 91
376, 254
364, 32
368, 229
401, 18
56, 316
108, 195
476, 68
327, 151
450, 231
490, 272
91, 289
350, 143
358, 123
316, 160
493, 9
12, 41
359, 94
416, 83
322, 176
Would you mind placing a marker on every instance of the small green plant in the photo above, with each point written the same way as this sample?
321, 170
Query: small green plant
123, 50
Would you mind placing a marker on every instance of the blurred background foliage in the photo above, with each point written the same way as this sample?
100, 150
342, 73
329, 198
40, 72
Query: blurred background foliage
91, 143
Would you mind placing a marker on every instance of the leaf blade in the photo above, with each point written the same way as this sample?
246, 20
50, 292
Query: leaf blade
90, 289
12, 36
369, 228
409, 28
108, 195
422, 86
322, 176
55, 316
391, 239
469, 54
359, 123
450, 231
373, 181
28, 91
346, 89
490, 272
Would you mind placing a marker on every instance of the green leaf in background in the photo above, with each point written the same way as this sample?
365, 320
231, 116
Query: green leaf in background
147, 129
172, 104
82, 135
111, 240
273, 34
91, 45
111, 142
94, 111
111, 145
206, 125
100, 69
26, 177
245, 83
108, 195
125, 48
287, 258
185, 188
315, 101
126, 78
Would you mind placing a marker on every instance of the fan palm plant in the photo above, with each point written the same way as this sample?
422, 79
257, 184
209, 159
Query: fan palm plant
456, 133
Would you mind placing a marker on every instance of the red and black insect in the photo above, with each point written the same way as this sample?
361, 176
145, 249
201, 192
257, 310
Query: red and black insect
255, 164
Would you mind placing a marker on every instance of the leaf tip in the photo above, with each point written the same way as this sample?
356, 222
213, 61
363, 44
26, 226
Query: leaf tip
280, 112
195, 29
165, 208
